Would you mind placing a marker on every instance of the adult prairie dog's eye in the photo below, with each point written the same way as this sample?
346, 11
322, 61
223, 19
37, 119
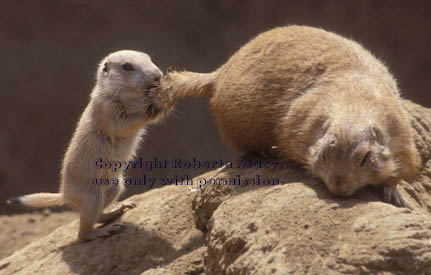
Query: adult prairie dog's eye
365, 158
323, 157
127, 67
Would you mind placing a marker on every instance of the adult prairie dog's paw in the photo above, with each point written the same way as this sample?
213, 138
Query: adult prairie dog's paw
392, 195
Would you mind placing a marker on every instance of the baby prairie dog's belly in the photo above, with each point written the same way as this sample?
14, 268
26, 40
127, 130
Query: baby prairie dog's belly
124, 148
80, 163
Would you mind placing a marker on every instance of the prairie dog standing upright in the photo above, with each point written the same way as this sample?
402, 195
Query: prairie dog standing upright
321, 99
121, 104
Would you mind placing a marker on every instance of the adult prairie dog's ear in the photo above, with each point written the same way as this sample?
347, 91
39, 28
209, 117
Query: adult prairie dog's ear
376, 134
322, 147
328, 141
332, 140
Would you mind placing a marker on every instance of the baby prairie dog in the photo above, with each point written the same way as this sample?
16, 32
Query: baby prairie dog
121, 104
322, 100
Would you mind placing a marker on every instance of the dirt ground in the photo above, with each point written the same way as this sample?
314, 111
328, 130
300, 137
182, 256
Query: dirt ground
19, 230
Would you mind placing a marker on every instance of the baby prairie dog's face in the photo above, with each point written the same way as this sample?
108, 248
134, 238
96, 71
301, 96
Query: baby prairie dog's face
130, 75
346, 162
128, 71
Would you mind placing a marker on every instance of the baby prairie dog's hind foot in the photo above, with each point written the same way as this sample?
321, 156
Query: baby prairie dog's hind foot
87, 233
103, 232
392, 195
117, 212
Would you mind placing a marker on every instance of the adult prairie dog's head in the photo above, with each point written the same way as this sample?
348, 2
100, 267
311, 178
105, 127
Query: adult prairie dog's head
347, 159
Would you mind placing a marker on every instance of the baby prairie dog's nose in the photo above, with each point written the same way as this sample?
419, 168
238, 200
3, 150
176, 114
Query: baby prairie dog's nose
158, 75
154, 79
157, 78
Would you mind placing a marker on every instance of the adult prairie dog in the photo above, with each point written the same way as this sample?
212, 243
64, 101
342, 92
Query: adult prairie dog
121, 104
322, 100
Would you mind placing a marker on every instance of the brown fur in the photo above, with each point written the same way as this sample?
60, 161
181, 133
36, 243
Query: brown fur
110, 128
322, 99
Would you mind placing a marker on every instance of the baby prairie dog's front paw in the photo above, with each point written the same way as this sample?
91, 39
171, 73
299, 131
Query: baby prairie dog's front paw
117, 212
102, 232
124, 207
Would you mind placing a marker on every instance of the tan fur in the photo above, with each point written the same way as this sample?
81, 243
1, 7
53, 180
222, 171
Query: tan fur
110, 128
322, 99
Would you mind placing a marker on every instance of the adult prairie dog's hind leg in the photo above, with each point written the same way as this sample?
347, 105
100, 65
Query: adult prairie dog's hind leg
272, 152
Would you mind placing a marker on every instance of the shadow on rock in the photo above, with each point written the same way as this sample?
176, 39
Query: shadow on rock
130, 252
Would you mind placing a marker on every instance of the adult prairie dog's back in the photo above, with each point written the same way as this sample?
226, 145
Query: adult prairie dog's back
253, 90
307, 92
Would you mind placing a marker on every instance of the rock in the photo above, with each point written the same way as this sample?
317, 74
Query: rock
160, 238
18, 231
289, 223
419, 190
299, 228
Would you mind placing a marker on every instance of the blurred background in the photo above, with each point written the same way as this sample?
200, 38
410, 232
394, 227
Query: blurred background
50, 51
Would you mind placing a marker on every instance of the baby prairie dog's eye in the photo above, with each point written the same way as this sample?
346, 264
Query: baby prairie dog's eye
105, 68
127, 67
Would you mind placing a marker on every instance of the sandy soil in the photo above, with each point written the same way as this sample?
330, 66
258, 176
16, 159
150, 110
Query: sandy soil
19, 230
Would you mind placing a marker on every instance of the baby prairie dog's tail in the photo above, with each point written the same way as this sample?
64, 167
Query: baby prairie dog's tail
38, 200
180, 84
